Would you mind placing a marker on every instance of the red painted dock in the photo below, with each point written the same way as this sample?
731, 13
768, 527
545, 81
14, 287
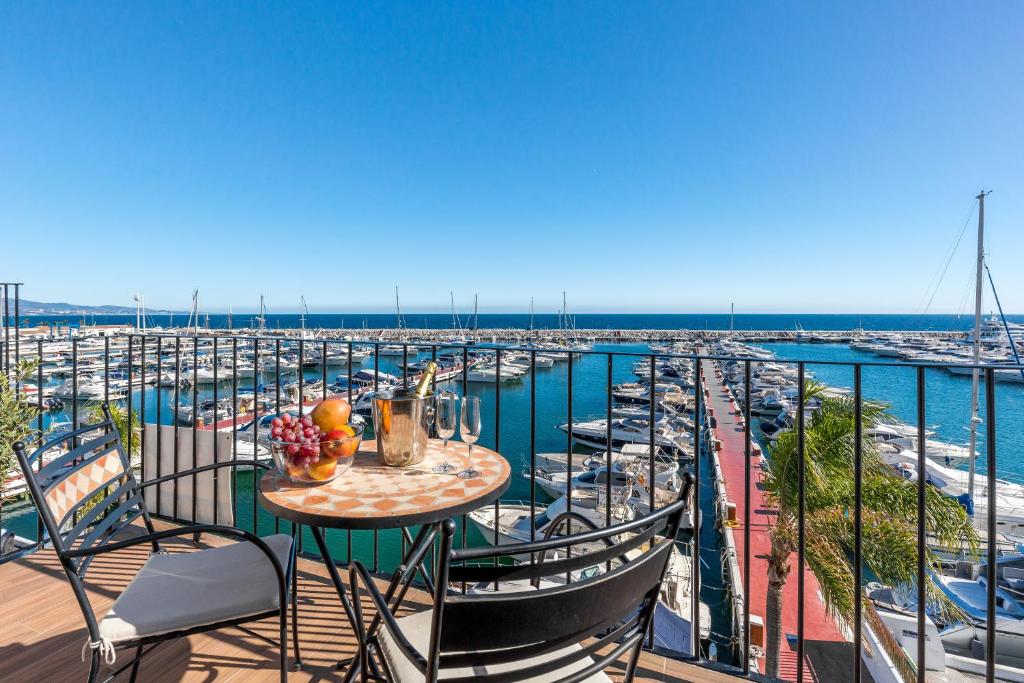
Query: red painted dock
827, 653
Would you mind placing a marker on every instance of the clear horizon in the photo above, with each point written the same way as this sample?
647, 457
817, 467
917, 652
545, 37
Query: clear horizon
795, 157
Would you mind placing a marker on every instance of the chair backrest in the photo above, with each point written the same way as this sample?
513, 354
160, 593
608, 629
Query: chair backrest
83, 487
203, 498
504, 626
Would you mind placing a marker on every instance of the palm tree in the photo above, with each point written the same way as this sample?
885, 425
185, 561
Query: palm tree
17, 416
889, 514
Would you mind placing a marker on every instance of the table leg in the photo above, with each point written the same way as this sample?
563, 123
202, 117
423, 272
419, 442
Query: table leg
427, 581
400, 582
332, 569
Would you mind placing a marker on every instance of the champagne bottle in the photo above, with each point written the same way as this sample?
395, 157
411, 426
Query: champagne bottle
423, 388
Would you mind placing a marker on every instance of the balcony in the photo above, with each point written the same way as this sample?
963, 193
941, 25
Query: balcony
200, 381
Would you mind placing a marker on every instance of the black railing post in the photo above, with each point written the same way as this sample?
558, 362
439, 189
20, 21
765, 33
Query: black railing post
497, 441
17, 322
216, 441
159, 422
652, 439
177, 421
698, 426
922, 476
348, 380
745, 653
195, 423
990, 512
323, 370
39, 393
106, 372
608, 442
533, 444
39, 426
234, 421
858, 554
74, 387
568, 440
7, 331
131, 415
302, 375
801, 521
257, 374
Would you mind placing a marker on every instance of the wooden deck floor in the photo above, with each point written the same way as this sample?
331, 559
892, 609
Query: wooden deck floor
42, 631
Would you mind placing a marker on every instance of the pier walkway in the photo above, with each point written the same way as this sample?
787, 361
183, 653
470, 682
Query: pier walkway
827, 653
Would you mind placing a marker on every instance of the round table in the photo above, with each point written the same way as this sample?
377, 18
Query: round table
374, 496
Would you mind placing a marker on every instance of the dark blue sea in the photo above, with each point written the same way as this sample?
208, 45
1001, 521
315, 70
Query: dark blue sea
594, 321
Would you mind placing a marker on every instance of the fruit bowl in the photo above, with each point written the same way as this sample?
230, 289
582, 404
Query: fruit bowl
306, 455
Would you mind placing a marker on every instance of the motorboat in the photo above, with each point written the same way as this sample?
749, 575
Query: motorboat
518, 522
594, 434
489, 373
628, 484
640, 394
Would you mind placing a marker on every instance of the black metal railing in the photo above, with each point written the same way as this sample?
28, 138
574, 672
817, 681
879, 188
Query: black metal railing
129, 362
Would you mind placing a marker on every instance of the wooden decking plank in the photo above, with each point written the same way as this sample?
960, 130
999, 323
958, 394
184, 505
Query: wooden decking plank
42, 630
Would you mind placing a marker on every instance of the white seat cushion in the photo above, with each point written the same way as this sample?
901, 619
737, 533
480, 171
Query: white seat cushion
416, 628
185, 590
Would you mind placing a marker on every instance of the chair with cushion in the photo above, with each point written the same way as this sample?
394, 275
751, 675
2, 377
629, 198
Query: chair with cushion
86, 494
552, 618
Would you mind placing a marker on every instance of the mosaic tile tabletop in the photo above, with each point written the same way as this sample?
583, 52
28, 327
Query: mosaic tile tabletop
374, 496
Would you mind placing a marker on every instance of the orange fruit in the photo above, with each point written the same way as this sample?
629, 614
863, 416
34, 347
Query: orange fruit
338, 443
294, 469
323, 468
331, 413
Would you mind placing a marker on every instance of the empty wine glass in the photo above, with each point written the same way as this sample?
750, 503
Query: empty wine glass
471, 427
446, 406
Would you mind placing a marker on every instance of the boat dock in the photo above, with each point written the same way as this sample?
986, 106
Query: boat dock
826, 648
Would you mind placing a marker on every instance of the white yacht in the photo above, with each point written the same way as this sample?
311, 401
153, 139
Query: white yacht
627, 484
594, 434
515, 520
489, 373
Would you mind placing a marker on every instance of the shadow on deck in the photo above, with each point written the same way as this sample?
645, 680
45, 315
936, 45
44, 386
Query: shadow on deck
42, 631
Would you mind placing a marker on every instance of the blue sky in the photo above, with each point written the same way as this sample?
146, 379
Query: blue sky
676, 157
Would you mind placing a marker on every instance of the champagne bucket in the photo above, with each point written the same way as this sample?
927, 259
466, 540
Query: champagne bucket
399, 421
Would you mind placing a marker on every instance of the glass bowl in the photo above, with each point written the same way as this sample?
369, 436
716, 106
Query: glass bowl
317, 464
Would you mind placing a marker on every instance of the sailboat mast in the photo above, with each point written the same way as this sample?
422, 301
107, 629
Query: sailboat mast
398, 309
978, 292
732, 317
565, 313
476, 314
531, 314
302, 313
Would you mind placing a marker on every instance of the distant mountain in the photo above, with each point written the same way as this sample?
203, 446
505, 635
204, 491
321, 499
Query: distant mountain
40, 308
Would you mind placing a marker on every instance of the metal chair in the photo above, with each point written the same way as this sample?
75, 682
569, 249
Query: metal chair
531, 628
174, 594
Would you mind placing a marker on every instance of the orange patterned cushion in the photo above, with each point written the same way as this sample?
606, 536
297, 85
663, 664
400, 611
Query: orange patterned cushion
83, 483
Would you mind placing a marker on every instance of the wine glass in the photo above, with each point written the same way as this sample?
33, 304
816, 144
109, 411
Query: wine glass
471, 427
445, 419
